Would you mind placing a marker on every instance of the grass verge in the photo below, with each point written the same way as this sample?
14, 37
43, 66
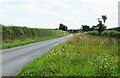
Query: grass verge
20, 41
83, 55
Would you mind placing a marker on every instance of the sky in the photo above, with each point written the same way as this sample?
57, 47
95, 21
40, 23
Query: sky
50, 13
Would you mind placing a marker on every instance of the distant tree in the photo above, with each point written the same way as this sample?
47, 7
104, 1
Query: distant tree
104, 17
101, 27
85, 28
99, 20
93, 28
63, 27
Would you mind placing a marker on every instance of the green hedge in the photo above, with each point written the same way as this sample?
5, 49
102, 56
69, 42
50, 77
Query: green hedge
13, 32
111, 33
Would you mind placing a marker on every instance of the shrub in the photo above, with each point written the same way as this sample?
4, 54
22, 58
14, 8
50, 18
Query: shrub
110, 33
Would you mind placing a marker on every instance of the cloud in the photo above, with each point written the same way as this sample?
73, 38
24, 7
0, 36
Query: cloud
49, 13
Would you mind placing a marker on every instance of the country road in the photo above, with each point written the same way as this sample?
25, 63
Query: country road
14, 59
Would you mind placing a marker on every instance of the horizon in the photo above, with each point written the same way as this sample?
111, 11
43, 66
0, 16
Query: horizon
49, 14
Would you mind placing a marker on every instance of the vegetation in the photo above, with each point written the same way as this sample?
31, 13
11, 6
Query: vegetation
63, 27
85, 28
115, 28
104, 17
83, 55
73, 31
17, 36
100, 27
109, 33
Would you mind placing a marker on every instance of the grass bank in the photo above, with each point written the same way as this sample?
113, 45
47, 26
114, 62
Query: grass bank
82, 55
13, 36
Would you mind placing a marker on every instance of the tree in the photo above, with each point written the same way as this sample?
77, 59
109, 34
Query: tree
85, 28
104, 17
93, 28
63, 27
101, 27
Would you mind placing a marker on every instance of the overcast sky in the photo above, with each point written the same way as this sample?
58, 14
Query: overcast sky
50, 13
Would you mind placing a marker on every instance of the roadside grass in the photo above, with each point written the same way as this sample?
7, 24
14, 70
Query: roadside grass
20, 41
82, 55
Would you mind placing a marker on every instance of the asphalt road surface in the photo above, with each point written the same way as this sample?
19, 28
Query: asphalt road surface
14, 59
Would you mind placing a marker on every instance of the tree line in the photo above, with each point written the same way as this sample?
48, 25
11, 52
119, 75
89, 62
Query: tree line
100, 27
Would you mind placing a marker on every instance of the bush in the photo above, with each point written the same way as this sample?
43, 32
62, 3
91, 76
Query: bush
111, 33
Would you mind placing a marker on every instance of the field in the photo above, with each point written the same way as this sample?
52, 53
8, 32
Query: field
13, 36
82, 55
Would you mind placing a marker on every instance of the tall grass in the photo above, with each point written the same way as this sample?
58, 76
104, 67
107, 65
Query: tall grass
83, 55
16, 36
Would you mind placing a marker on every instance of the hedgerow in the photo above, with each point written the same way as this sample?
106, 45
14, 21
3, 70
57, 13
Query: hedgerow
13, 36
13, 32
110, 33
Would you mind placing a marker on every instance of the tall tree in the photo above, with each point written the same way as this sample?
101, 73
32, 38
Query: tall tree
101, 27
104, 17
63, 27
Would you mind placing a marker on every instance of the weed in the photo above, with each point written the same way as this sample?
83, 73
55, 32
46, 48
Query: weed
83, 55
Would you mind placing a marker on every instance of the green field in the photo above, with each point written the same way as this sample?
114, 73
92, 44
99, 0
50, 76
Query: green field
13, 36
82, 55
